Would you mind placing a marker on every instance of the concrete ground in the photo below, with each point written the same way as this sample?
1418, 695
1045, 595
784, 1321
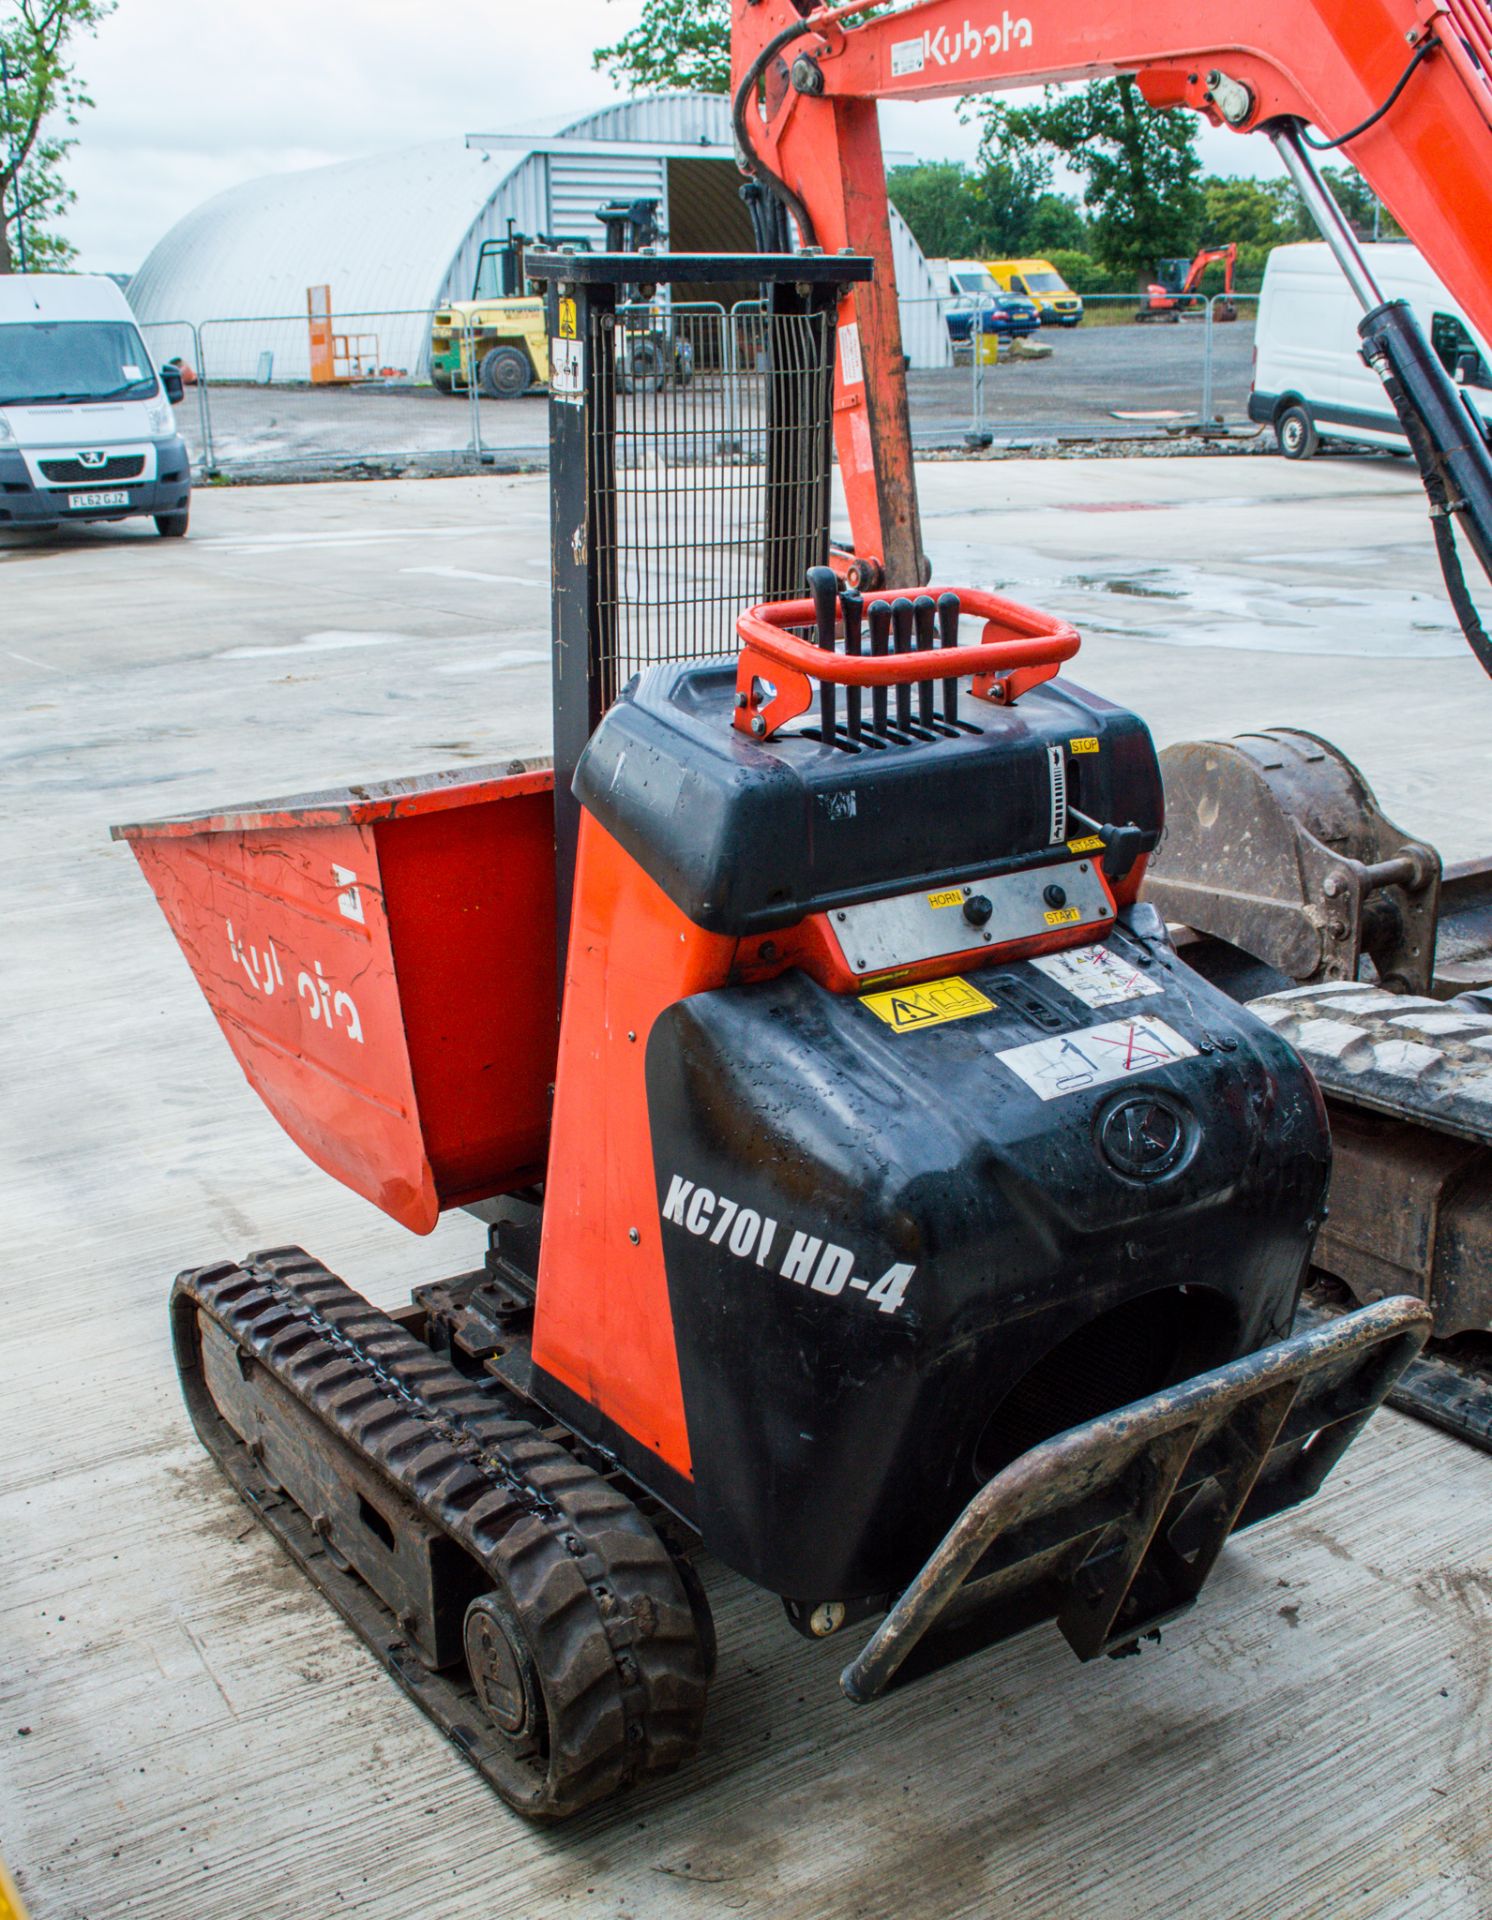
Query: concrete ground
186, 1733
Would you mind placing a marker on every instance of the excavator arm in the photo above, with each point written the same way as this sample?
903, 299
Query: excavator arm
1209, 256
1404, 87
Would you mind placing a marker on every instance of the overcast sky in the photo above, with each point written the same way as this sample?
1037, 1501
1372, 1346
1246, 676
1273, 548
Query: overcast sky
193, 98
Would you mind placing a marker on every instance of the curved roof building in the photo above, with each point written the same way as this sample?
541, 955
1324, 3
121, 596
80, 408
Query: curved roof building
397, 234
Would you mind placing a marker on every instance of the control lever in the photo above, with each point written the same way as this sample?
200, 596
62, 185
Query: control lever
925, 613
852, 607
948, 611
823, 584
1122, 846
901, 629
880, 642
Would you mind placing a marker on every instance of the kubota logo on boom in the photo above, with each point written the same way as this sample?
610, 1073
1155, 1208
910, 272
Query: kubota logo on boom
949, 49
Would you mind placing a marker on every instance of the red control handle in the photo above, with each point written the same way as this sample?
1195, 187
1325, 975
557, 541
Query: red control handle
1019, 650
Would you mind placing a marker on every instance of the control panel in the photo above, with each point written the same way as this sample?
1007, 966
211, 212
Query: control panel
930, 923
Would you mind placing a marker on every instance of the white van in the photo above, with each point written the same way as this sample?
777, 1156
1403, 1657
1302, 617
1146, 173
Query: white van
1310, 380
86, 431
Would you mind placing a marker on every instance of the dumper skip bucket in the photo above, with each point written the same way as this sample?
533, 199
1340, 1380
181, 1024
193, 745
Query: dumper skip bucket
382, 962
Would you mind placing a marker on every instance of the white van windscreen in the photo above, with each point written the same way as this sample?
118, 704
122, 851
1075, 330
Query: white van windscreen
44, 360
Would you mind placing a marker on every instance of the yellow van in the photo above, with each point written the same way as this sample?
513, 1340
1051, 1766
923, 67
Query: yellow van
1040, 281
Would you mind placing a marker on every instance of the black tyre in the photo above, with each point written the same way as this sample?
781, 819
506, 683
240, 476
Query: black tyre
644, 368
172, 526
1296, 433
440, 381
505, 373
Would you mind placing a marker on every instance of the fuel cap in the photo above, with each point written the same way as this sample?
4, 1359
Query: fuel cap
1144, 1136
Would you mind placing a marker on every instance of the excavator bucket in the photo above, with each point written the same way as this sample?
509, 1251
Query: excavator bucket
381, 959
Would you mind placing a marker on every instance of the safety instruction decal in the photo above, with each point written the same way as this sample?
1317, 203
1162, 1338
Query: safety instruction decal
933, 1004
1087, 744
567, 371
851, 361
1096, 976
1092, 1057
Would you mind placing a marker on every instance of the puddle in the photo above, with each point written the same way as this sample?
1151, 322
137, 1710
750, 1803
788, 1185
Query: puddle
1132, 586
1206, 608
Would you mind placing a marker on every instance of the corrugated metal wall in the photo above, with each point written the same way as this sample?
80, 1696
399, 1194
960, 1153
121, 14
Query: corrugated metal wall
924, 331
522, 198
580, 182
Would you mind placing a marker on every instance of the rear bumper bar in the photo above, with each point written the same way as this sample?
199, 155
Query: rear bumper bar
1112, 1528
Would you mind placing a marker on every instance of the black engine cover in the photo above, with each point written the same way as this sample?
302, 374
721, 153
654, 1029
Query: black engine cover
877, 1241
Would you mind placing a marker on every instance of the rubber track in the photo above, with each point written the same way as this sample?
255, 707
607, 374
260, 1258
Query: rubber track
607, 1616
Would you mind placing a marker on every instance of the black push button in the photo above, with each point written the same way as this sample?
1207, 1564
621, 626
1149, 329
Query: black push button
1055, 896
978, 908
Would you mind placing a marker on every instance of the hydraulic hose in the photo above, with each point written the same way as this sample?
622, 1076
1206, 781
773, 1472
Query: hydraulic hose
750, 160
1455, 586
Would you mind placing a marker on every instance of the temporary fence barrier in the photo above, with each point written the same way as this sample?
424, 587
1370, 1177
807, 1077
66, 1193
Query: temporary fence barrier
253, 408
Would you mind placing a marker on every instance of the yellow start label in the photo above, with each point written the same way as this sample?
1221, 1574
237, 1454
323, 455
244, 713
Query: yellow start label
933, 1004
1086, 745
1061, 916
567, 319
1090, 844
954, 897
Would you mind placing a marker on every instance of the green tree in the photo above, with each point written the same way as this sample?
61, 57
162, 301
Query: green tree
958, 213
937, 200
40, 96
1370, 219
1139, 166
676, 43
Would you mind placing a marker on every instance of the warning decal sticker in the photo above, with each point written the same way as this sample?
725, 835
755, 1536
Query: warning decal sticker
1071, 1062
933, 1004
567, 371
1096, 976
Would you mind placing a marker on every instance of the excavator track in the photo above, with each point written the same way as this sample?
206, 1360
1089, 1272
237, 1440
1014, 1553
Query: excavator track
516, 1595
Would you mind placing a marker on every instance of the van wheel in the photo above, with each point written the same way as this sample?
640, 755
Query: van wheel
504, 373
172, 526
1297, 435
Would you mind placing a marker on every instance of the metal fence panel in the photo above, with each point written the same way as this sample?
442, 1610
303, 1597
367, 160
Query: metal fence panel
267, 412
175, 342
714, 479
256, 409
1115, 376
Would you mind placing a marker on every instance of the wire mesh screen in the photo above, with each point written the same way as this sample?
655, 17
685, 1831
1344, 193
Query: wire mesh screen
711, 460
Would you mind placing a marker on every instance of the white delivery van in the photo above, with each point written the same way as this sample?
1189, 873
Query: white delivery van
86, 431
1310, 380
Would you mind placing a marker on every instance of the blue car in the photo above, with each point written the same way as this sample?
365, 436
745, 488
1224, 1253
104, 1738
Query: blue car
979, 301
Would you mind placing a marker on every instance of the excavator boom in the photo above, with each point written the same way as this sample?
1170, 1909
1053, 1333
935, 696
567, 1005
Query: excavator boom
806, 82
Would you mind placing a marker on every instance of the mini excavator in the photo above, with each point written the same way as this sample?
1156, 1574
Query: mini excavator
880, 1202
